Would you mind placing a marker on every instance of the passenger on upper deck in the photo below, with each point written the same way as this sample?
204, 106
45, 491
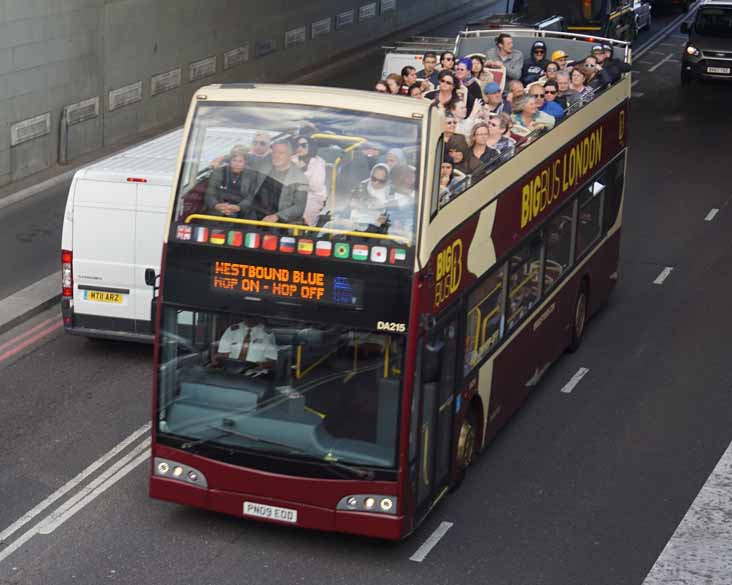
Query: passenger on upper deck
260, 155
535, 66
380, 87
450, 136
358, 167
400, 208
313, 167
536, 92
446, 93
560, 58
465, 123
429, 73
409, 78
566, 93
458, 154
595, 78
550, 73
467, 81
394, 157
415, 90
614, 68
504, 55
577, 82
230, 183
515, 90
494, 102
447, 60
551, 107
477, 68
291, 183
526, 114
394, 83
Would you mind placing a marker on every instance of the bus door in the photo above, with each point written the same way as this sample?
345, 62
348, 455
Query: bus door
434, 407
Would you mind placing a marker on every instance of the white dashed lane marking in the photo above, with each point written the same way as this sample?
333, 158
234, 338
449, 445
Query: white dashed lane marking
663, 276
574, 380
431, 542
661, 62
712, 214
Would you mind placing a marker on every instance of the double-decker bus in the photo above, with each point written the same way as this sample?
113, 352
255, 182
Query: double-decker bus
341, 373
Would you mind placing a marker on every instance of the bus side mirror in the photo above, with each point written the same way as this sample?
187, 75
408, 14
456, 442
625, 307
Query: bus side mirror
432, 362
684, 28
150, 276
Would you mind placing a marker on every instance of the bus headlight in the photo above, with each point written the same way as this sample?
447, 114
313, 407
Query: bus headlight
693, 51
369, 503
179, 472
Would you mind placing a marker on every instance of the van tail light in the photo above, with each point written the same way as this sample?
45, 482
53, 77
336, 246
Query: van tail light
67, 274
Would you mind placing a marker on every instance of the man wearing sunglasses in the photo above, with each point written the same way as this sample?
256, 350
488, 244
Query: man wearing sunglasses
535, 66
537, 93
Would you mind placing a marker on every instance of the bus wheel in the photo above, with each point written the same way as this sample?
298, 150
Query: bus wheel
580, 318
466, 441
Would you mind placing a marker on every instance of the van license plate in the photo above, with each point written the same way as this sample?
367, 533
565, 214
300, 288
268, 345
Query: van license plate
270, 512
98, 296
723, 70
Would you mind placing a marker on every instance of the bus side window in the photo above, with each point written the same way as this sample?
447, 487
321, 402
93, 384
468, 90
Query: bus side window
589, 220
558, 245
484, 318
524, 286
439, 155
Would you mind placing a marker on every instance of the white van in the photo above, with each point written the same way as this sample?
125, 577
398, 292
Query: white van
113, 231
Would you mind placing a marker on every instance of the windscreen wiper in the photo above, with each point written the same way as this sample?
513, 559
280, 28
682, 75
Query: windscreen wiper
365, 474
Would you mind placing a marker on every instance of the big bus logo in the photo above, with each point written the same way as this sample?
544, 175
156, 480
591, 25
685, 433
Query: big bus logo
449, 272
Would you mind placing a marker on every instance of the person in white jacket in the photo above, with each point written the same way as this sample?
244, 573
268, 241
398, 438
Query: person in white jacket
315, 171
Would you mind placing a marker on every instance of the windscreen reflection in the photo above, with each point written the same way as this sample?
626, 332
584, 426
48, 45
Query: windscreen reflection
291, 388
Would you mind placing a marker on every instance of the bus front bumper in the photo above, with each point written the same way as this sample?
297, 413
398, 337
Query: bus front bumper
382, 526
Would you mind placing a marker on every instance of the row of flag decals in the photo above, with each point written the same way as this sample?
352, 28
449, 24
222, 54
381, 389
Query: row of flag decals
290, 244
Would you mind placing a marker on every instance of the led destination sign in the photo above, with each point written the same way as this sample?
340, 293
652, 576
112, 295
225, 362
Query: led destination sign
254, 280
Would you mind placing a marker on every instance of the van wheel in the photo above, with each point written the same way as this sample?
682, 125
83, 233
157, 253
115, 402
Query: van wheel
580, 318
686, 78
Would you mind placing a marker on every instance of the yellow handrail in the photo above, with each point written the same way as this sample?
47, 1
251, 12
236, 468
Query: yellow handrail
406, 241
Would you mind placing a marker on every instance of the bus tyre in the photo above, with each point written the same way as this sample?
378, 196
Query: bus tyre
466, 445
579, 318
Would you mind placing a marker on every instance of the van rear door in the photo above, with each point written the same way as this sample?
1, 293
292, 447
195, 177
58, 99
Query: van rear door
150, 216
104, 236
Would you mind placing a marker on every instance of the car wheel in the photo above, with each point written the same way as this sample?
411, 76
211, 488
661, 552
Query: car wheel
686, 77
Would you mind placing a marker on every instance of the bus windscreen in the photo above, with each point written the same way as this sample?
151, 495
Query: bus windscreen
271, 168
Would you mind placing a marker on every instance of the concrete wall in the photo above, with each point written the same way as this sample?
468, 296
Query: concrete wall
133, 63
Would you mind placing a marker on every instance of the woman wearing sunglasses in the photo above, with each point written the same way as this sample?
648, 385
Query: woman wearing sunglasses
446, 92
313, 167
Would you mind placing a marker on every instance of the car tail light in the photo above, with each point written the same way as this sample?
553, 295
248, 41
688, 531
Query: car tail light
67, 274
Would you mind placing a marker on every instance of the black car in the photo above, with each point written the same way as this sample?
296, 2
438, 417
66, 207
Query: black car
708, 52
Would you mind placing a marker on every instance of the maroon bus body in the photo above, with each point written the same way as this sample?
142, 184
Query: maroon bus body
527, 355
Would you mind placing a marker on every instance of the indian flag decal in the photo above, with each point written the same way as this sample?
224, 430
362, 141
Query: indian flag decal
360, 252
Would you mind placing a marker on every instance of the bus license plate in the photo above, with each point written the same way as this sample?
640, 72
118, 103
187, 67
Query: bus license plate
98, 296
270, 512
723, 70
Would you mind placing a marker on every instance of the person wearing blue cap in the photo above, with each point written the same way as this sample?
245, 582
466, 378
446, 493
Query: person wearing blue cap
504, 55
494, 102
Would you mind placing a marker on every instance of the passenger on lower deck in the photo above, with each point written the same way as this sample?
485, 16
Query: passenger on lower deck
248, 342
